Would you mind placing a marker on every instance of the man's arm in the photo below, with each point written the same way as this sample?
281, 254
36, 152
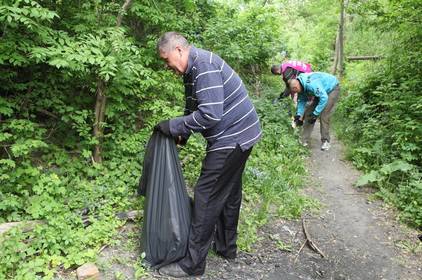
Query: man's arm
301, 103
210, 99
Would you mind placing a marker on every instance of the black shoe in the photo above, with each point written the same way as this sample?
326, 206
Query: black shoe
229, 257
173, 270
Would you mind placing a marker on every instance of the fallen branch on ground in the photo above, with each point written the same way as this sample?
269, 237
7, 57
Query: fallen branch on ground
300, 250
310, 243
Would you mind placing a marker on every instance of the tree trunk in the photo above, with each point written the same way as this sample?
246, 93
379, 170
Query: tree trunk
101, 99
338, 64
341, 40
335, 63
139, 121
123, 10
100, 106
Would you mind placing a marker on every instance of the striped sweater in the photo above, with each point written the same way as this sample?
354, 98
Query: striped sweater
217, 104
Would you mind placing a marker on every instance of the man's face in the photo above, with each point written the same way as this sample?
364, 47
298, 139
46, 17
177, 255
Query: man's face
295, 86
176, 59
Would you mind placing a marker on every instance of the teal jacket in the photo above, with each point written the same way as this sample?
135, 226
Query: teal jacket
318, 84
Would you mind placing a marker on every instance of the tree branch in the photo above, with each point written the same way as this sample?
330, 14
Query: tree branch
364, 57
123, 11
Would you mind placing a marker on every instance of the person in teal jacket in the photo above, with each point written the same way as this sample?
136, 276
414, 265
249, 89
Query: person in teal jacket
325, 87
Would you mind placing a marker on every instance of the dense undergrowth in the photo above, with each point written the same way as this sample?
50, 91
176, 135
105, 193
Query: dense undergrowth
380, 122
380, 113
58, 58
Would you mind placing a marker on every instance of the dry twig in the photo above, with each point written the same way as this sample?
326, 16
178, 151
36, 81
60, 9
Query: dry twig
300, 250
309, 240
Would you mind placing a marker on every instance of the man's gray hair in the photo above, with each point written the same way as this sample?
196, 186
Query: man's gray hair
169, 40
290, 81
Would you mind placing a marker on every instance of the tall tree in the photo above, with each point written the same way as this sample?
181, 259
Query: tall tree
101, 97
338, 65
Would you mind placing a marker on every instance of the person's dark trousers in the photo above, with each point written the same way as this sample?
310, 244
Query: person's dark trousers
217, 199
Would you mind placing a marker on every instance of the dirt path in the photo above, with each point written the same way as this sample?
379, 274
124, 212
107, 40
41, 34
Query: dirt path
360, 238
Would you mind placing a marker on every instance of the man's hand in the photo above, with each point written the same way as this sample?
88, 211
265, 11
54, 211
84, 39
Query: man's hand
181, 140
163, 127
298, 120
312, 119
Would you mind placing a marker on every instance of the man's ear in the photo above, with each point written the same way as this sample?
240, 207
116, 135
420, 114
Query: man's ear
179, 50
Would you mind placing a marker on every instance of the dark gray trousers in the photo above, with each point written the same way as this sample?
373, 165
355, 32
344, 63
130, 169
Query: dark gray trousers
217, 199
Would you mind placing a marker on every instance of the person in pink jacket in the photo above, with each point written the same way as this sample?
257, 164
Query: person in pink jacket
290, 69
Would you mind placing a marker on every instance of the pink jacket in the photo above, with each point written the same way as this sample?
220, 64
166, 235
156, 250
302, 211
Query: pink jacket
298, 65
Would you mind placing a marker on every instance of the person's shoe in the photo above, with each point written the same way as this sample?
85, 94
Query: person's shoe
230, 257
325, 146
173, 270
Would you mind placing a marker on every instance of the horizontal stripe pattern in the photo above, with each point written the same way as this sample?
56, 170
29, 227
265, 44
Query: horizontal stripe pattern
217, 104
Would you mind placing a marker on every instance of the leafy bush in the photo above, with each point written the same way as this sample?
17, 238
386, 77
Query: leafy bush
381, 118
381, 123
56, 57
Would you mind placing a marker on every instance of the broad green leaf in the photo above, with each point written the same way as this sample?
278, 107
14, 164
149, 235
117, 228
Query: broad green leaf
368, 178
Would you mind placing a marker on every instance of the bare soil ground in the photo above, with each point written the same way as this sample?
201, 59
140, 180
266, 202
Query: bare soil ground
359, 236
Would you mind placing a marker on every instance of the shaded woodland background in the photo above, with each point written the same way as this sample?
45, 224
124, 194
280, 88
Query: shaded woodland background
81, 87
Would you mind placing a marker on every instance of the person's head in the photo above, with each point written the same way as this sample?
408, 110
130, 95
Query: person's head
276, 69
289, 73
174, 50
294, 85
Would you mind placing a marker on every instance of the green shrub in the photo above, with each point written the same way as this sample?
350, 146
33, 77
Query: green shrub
381, 118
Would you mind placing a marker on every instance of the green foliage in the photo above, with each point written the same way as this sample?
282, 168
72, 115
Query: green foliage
380, 117
54, 58
31, 20
244, 36
310, 30
384, 173
52, 68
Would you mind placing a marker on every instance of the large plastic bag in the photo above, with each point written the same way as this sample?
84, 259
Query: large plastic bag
167, 209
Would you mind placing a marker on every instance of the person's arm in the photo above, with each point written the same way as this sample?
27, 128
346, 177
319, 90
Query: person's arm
210, 99
301, 103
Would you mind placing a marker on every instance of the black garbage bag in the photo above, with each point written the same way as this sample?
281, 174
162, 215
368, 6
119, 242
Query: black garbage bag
167, 209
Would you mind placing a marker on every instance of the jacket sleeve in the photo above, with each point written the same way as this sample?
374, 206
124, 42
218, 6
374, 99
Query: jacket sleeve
210, 99
301, 103
319, 91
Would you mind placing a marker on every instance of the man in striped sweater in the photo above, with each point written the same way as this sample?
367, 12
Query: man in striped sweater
218, 107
